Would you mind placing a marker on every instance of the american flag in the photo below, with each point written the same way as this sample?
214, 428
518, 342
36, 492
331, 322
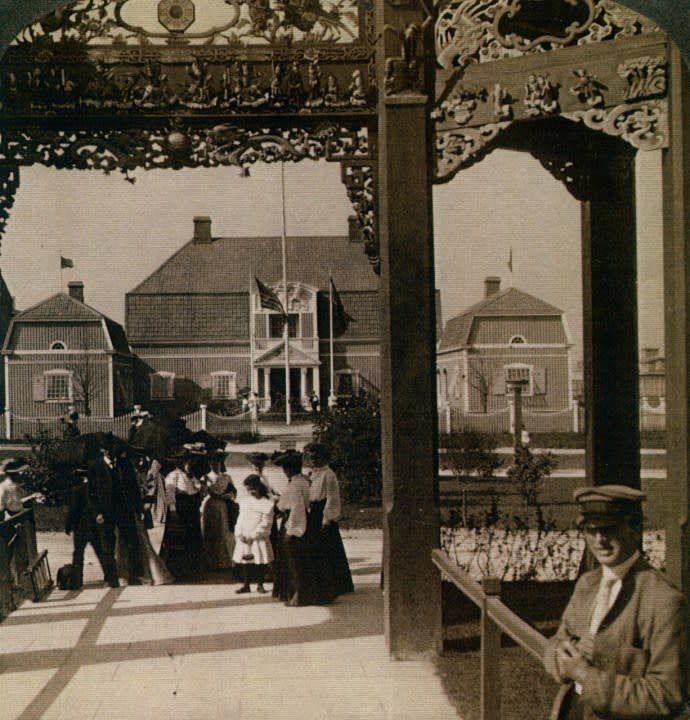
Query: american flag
269, 300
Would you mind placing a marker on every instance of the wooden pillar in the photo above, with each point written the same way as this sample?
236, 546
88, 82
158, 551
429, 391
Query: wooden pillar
676, 179
412, 615
610, 315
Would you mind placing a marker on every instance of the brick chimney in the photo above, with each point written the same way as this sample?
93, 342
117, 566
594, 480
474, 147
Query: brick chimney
492, 285
354, 229
202, 229
75, 288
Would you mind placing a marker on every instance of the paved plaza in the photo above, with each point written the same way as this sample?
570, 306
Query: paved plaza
199, 652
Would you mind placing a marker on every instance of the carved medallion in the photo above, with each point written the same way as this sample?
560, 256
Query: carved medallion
646, 77
176, 15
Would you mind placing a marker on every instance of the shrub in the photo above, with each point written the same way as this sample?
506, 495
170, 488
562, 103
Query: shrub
43, 474
352, 432
470, 453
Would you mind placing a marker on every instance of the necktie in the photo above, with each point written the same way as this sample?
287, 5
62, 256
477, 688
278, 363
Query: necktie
601, 602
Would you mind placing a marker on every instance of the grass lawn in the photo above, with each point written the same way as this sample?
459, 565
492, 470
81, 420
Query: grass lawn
527, 691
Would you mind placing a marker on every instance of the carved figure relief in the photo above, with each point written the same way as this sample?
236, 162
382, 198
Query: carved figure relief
460, 105
646, 77
541, 96
588, 89
502, 101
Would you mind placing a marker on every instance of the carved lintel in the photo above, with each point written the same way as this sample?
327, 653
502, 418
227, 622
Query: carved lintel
643, 125
457, 149
9, 183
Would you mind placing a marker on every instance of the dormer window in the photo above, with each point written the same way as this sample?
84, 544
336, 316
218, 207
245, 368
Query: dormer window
58, 345
517, 340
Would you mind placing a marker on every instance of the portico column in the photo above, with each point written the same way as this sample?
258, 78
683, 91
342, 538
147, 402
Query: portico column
412, 615
676, 180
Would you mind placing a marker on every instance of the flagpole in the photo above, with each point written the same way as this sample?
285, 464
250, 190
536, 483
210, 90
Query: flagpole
251, 334
286, 324
331, 394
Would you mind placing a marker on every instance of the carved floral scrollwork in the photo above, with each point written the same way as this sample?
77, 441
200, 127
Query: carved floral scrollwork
476, 31
359, 181
177, 146
460, 148
643, 125
9, 183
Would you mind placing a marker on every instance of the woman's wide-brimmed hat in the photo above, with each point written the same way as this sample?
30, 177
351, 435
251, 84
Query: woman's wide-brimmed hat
179, 454
218, 454
14, 466
257, 458
317, 453
290, 458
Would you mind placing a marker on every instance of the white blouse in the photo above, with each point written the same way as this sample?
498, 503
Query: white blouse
178, 481
324, 485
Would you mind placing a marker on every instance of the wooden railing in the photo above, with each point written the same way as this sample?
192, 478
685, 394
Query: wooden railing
496, 618
23, 572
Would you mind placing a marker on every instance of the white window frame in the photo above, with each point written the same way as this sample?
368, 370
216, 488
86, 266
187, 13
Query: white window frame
517, 340
217, 379
169, 378
527, 390
61, 343
62, 374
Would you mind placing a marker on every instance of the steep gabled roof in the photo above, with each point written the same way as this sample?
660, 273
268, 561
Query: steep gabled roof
224, 265
62, 307
506, 303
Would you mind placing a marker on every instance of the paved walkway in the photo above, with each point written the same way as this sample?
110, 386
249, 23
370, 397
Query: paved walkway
200, 652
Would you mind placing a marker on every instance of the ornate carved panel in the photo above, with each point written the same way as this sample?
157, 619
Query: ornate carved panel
97, 57
523, 60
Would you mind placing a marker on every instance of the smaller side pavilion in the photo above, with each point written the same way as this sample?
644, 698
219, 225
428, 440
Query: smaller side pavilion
63, 352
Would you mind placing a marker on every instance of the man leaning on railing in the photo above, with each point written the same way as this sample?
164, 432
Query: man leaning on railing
621, 648
12, 497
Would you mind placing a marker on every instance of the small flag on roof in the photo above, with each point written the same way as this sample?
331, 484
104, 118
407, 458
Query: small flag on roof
65, 263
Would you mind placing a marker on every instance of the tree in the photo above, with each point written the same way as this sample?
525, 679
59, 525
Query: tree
481, 380
352, 432
89, 380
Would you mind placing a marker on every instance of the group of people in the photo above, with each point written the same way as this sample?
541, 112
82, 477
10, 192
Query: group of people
263, 529
288, 532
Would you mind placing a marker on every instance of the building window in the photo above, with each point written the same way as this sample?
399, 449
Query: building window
58, 345
224, 385
275, 328
162, 385
517, 340
58, 386
520, 373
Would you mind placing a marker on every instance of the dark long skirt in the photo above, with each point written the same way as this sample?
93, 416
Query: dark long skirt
182, 546
332, 568
295, 578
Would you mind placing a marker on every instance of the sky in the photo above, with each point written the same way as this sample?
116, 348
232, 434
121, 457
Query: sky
118, 233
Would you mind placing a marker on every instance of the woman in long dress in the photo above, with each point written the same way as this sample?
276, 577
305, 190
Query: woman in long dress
182, 546
333, 569
219, 542
253, 551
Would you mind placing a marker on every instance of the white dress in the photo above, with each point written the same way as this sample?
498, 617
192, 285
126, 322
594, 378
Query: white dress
254, 524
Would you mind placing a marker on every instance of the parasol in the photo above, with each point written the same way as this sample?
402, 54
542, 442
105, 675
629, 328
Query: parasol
84, 449
211, 442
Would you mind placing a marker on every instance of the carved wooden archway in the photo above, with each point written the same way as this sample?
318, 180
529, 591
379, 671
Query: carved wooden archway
378, 126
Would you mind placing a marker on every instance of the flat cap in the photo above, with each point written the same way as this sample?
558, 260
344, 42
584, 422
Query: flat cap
608, 500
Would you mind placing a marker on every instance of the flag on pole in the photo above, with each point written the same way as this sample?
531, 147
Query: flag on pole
65, 263
341, 318
269, 300
510, 260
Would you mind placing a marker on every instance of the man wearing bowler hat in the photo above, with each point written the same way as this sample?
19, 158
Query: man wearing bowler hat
622, 642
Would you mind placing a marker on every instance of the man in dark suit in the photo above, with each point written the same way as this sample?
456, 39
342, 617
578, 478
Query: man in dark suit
81, 524
622, 642
116, 501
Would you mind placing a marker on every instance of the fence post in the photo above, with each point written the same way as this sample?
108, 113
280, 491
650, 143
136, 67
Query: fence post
8, 425
576, 416
203, 417
490, 663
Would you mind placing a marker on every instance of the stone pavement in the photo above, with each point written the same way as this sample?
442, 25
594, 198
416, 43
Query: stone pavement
200, 652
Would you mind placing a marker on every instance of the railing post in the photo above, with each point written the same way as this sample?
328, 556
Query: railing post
203, 417
490, 664
576, 416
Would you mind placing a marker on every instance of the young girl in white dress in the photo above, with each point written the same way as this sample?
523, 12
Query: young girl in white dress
253, 551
